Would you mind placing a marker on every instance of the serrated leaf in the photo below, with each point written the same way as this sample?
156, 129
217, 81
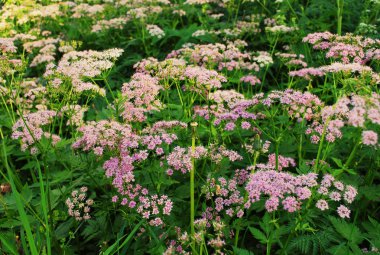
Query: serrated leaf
265, 224
258, 235
62, 231
347, 230
338, 162
240, 251
341, 249
371, 192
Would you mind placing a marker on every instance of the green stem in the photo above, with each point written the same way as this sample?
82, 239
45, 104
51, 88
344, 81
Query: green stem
109, 88
320, 146
300, 144
352, 155
340, 16
269, 244
255, 157
277, 146
192, 175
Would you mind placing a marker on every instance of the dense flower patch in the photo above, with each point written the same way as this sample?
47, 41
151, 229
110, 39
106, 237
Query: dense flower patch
189, 127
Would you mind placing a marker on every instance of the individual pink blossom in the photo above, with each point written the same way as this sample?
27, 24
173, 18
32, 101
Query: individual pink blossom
291, 204
322, 205
350, 194
369, 138
336, 196
343, 211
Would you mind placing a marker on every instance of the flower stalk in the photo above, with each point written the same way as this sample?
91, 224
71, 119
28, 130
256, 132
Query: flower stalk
192, 177
340, 16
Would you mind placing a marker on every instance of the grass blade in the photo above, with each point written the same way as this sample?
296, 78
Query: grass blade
19, 204
110, 249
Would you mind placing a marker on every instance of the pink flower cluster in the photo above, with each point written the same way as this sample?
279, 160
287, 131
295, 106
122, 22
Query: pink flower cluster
356, 111
290, 191
84, 9
30, 129
115, 23
163, 126
152, 207
296, 104
217, 153
307, 73
7, 45
46, 50
281, 187
202, 80
78, 65
369, 138
167, 69
346, 49
350, 55
292, 59
102, 135
251, 79
226, 196
131, 149
140, 96
335, 191
225, 99
180, 158
217, 56
283, 162
78, 205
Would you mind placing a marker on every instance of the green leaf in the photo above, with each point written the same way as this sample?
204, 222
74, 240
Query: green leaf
341, 249
9, 246
258, 235
111, 251
20, 203
62, 231
371, 192
347, 230
10, 223
265, 224
240, 251
338, 162
183, 191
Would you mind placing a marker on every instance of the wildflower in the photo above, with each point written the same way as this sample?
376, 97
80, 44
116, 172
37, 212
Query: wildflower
291, 204
229, 126
369, 138
140, 97
253, 80
30, 129
272, 204
343, 211
115, 23
155, 31
78, 206
307, 73
322, 204
335, 196
350, 194
283, 162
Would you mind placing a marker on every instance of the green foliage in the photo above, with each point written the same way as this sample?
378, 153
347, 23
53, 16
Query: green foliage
34, 218
316, 243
